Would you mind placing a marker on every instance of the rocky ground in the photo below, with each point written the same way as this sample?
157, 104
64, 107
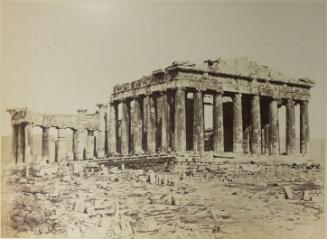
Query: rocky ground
233, 201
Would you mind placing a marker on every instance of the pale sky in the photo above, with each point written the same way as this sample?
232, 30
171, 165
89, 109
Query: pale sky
59, 57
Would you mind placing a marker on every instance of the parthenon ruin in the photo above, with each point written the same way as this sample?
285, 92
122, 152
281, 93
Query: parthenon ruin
163, 114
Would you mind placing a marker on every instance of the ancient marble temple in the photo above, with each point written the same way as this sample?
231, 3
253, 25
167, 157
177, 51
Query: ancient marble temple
164, 114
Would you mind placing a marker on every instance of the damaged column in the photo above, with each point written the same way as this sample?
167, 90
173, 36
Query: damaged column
290, 127
101, 133
237, 124
198, 122
20, 143
165, 116
255, 125
125, 127
180, 121
218, 123
273, 123
80, 136
61, 145
151, 129
113, 129
304, 128
90, 144
14, 142
45, 143
137, 126
28, 154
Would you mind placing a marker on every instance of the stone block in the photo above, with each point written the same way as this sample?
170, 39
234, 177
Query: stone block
288, 192
152, 177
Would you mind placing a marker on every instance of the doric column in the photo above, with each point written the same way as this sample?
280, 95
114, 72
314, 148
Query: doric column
125, 127
255, 125
198, 126
137, 126
145, 123
14, 139
237, 124
101, 134
165, 119
45, 143
80, 138
20, 143
273, 123
290, 127
90, 144
218, 123
52, 147
304, 128
113, 129
28, 137
180, 121
61, 145
151, 119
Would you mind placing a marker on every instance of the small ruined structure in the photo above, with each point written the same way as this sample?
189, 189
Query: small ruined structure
163, 114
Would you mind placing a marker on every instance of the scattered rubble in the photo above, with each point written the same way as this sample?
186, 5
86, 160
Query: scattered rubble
84, 199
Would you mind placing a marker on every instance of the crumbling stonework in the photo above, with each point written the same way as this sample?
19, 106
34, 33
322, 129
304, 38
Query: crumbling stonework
163, 114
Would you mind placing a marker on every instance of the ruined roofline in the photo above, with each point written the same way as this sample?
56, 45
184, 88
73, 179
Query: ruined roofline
78, 120
240, 68
27, 110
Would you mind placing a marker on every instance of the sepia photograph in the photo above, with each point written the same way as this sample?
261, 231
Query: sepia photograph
162, 119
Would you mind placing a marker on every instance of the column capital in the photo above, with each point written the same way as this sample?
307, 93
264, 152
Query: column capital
113, 102
219, 92
275, 97
123, 100
238, 95
100, 105
290, 101
180, 88
135, 97
45, 128
199, 90
304, 101
164, 91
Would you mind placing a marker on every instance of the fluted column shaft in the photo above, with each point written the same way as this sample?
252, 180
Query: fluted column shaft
113, 130
137, 126
61, 146
101, 134
20, 143
14, 142
125, 127
151, 126
180, 121
273, 122
45, 143
290, 127
90, 144
218, 123
304, 128
80, 138
237, 124
164, 122
28, 137
198, 123
255, 125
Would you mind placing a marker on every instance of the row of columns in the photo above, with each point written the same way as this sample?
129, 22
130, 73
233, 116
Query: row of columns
139, 128
270, 132
86, 143
148, 124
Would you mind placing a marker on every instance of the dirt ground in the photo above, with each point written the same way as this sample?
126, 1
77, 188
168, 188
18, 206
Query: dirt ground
232, 201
